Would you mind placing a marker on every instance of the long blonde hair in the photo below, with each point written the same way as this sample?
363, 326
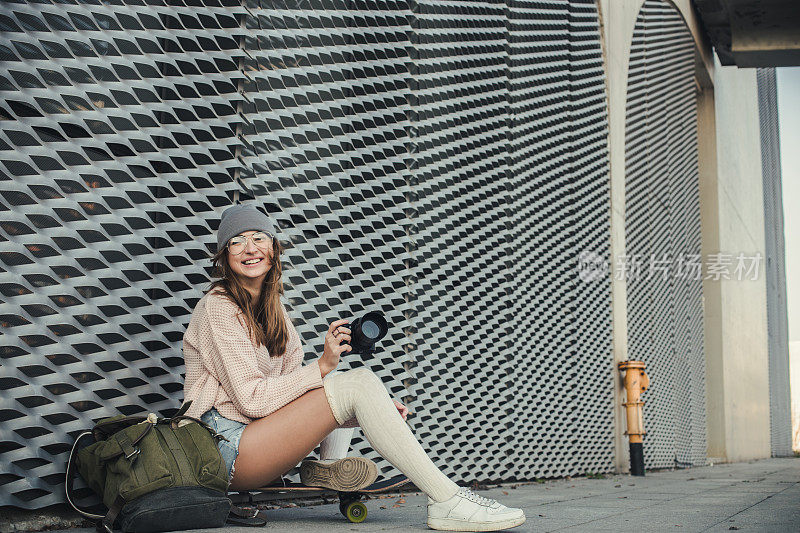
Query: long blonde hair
263, 317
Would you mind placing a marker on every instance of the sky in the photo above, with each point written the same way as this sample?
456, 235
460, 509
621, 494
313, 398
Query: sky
789, 124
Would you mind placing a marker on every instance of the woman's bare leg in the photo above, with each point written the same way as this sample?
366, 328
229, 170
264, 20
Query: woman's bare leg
273, 445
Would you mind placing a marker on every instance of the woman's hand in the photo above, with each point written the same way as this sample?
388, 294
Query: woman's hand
330, 354
401, 408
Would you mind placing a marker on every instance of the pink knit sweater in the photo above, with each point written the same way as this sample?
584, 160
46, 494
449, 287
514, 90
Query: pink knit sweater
225, 370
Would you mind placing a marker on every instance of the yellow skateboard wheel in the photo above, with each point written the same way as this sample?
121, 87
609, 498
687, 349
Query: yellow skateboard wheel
355, 512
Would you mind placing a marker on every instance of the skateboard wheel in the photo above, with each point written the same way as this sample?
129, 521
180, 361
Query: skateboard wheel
356, 512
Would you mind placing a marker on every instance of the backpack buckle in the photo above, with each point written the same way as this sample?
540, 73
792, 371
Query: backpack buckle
133, 453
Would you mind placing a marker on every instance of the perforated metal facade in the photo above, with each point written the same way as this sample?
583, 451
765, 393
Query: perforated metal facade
444, 162
775, 267
665, 314
118, 151
511, 184
327, 149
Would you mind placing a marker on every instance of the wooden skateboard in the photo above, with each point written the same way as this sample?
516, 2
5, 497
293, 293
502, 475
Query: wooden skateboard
350, 503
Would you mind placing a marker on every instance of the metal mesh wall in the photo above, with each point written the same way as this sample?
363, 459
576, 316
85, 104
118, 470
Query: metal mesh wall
665, 317
777, 320
463, 377
560, 333
117, 152
443, 162
498, 189
326, 148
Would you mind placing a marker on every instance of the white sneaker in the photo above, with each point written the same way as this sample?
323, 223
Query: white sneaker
466, 511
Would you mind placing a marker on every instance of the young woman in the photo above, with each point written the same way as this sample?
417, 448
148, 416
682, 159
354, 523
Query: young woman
243, 375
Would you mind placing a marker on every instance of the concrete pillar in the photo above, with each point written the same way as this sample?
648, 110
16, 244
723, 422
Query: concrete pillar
732, 211
617, 21
712, 299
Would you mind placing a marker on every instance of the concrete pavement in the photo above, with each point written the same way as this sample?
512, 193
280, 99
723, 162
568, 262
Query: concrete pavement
757, 496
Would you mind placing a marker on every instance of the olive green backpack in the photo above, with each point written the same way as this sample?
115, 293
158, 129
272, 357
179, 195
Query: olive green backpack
152, 473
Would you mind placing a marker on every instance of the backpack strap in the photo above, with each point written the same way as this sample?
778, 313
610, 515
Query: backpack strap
185, 472
72, 474
245, 517
184, 407
175, 421
106, 525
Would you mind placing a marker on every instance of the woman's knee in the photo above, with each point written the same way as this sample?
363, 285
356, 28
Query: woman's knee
358, 380
366, 376
360, 384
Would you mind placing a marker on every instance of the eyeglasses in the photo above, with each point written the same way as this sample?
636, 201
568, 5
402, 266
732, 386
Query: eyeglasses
261, 239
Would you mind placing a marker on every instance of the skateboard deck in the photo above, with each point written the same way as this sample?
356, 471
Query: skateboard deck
379, 486
350, 503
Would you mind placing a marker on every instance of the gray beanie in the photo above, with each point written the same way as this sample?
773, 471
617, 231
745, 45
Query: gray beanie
239, 218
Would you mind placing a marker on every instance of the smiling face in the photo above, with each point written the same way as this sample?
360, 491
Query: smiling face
253, 263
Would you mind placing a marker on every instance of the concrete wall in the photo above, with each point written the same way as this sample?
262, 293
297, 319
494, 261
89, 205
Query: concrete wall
617, 21
738, 387
732, 221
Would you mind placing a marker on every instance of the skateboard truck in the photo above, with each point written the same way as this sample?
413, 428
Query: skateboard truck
351, 507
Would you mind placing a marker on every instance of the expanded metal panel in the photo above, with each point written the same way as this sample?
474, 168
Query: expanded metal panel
445, 163
325, 148
665, 315
560, 333
775, 267
460, 134
117, 157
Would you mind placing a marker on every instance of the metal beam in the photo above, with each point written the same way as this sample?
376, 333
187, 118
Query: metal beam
753, 33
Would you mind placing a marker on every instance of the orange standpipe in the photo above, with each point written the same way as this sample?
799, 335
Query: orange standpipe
636, 382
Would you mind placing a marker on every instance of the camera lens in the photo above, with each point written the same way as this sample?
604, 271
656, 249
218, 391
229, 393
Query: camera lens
370, 329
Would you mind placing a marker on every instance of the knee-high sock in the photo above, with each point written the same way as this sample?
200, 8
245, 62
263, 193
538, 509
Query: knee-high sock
361, 393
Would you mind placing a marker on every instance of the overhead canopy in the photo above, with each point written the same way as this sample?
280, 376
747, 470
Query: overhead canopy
753, 33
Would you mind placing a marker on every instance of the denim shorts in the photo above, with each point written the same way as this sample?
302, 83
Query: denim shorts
231, 430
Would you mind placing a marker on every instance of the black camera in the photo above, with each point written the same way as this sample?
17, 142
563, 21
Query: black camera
366, 331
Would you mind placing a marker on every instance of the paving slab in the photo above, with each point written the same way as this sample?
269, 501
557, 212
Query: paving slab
757, 496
